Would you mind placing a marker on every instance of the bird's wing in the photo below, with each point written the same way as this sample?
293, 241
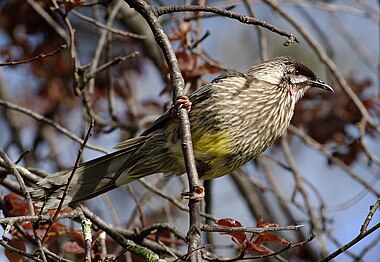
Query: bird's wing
196, 97
199, 95
130, 143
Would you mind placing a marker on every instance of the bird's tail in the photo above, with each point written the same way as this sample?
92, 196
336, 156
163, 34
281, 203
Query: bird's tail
91, 178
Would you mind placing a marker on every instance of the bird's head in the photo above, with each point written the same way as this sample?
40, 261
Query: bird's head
299, 77
289, 75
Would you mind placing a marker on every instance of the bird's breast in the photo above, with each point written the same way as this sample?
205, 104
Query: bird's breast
235, 124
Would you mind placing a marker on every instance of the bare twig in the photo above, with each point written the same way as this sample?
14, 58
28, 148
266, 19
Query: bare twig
310, 141
138, 205
290, 246
242, 18
138, 250
73, 53
258, 230
174, 201
371, 156
142, 233
108, 28
49, 20
27, 196
263, 43
102, 41
331, 7
342, 249
109, 64
39, 218
369, 217
76, 165
48, 121
316, 224
18, 251
40, 56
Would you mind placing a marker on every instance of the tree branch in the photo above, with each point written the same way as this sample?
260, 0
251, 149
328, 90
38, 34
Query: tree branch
177, 84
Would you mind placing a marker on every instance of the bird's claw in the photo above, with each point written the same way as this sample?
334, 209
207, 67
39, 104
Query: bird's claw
198, 194
183, 101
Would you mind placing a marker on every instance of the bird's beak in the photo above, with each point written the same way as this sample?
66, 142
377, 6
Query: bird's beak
320, 84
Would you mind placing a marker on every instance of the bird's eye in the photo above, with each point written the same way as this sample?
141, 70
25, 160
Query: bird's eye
296, 72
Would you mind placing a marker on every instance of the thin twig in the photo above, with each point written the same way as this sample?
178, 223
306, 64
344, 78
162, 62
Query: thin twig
48, 121
81, 149
143, 232
116, 5
310, 141
369, 217
242, 18
258, 230
263, 43
371, 156
40, 218
40, 56
138, 250
109, 64
108, 28
316, 224
18, 251
49, 20
350, 244
144, 199
138, 205
174, 201
290, 246
73, 53
331, 7
27, 196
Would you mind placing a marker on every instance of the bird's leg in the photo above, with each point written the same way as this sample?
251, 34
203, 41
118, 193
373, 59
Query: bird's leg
183, 101
197, 194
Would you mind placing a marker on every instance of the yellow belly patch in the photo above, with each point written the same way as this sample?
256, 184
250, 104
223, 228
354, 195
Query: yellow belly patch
211, 149
208, 146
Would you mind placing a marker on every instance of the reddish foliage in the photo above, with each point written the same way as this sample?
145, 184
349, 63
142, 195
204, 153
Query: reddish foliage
257, 241
268, 237
180, 33
191, 67
12, 256
72, 247
17, 206
237, 237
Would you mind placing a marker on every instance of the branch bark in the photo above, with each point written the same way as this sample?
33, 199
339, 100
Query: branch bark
177, 83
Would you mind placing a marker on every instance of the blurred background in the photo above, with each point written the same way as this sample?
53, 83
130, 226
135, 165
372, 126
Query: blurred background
324, 173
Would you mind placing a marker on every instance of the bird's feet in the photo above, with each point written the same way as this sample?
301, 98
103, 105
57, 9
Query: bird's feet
197, 194
183, 101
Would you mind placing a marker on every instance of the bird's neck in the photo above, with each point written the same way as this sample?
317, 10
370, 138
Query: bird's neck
266, 115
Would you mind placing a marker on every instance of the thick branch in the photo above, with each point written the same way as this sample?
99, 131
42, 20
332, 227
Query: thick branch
177, 84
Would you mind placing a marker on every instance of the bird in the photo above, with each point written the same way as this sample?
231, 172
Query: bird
234, 118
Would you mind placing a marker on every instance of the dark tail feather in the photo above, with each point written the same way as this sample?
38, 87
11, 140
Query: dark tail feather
91, 178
